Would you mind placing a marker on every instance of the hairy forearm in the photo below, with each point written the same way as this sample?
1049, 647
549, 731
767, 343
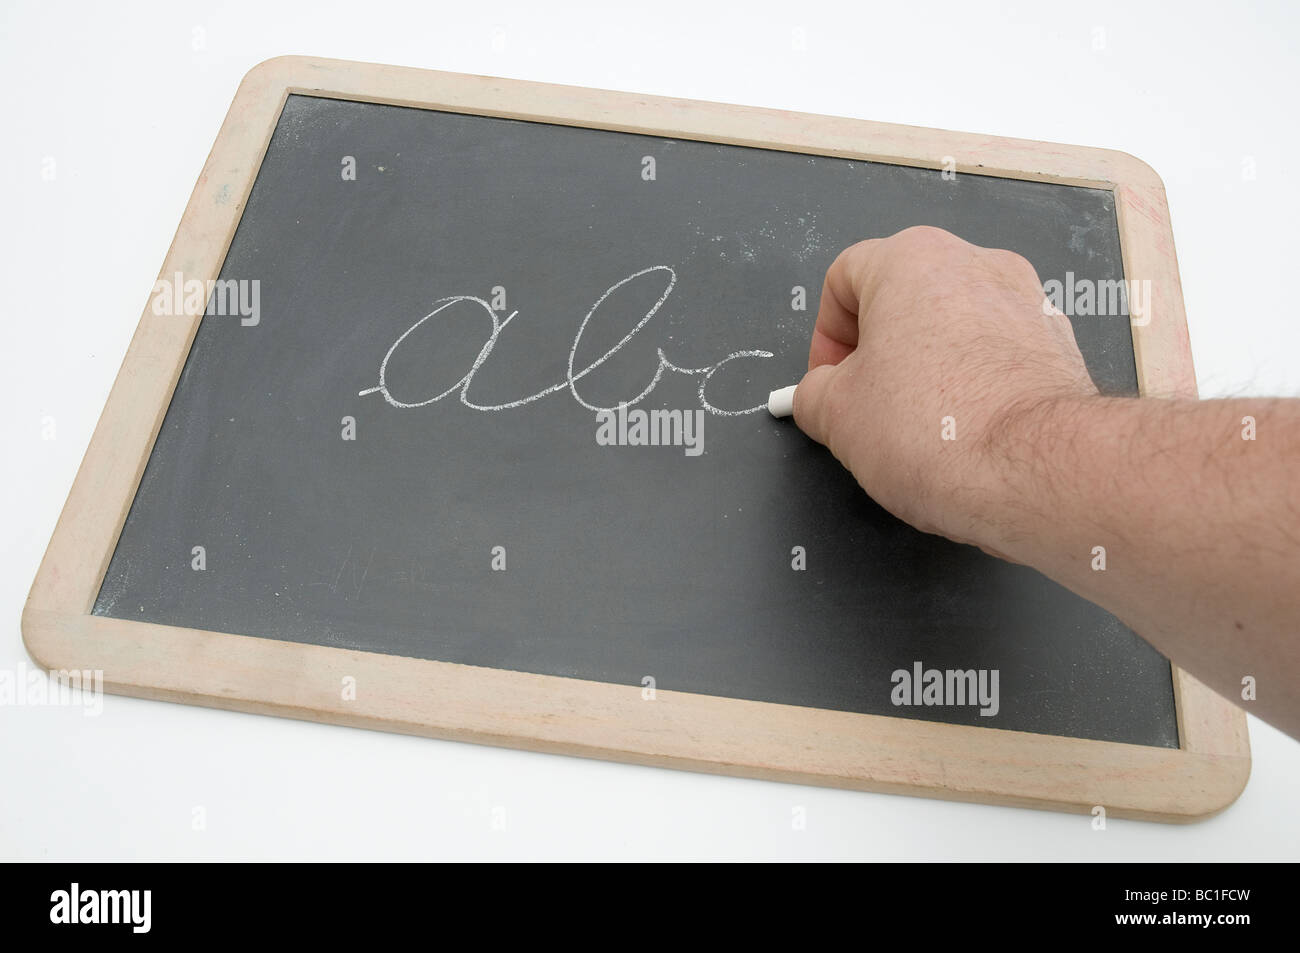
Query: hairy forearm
1180, 517
964, 406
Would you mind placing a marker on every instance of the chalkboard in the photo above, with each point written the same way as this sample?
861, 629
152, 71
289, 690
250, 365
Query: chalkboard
293, 494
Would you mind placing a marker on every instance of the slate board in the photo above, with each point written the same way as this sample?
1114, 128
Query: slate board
621, 562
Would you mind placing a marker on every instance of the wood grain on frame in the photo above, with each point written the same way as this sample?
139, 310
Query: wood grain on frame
571, 716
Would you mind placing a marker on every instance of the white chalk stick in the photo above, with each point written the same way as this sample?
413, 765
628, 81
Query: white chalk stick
780, 403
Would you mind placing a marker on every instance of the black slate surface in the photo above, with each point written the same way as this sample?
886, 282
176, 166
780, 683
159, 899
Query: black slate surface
621, 562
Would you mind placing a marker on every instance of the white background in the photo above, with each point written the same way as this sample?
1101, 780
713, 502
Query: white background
121, 98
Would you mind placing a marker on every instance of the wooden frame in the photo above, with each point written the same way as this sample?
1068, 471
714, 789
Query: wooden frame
571, 716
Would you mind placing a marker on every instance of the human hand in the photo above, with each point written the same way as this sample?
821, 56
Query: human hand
925, 348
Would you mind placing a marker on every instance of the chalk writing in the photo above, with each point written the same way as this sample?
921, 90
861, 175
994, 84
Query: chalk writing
572, 375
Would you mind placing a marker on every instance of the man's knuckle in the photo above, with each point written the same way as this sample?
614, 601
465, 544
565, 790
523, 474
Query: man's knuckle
1017, 265
926, 236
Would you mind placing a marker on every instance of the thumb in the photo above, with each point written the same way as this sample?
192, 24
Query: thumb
811, 403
